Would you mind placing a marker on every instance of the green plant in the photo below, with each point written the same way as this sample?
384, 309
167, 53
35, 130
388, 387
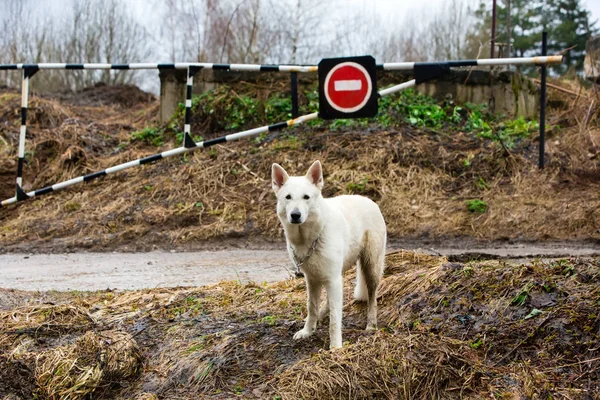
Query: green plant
477, 206
522, 296
153, 136
341, 123
195, 138
481, 184
358, 187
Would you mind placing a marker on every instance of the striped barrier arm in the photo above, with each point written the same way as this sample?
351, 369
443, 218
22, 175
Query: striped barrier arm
133, 66
181, 150
541, 60
165, 154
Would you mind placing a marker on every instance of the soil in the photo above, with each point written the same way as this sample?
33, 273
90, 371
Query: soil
105, 95
482, 329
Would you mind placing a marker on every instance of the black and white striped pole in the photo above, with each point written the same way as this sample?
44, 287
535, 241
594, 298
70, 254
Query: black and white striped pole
540, 60
188, 142
134, 66
169, 153
543, 70
27, 75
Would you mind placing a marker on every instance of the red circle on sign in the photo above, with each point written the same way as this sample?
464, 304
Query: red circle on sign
348, 87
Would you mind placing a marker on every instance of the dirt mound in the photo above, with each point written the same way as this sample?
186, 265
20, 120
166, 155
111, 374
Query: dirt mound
447, 330
106, 95
433, 179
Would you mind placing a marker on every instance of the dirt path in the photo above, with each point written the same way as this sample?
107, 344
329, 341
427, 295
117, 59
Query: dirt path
98, 271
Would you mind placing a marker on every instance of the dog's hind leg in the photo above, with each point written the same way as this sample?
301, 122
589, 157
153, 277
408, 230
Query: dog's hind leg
360, 290
324, 310
372, 260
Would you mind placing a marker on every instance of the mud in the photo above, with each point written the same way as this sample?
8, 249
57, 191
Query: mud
99, 271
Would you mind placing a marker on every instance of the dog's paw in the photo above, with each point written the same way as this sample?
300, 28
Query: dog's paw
335, 346
302, 334
371, 327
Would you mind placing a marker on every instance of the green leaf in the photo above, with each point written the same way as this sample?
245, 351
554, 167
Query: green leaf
534, 313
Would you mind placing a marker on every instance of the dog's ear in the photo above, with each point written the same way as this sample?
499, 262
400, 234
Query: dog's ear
315, 174
278, 177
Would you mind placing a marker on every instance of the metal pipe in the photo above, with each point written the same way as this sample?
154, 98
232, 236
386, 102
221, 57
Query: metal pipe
294, 83
493, 37
543, 71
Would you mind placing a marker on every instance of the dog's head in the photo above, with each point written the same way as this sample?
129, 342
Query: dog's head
297, 196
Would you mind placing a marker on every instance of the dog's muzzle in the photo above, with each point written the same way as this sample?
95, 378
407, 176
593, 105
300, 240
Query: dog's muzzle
295, 217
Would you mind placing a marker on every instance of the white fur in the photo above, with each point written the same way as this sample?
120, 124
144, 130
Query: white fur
351, 228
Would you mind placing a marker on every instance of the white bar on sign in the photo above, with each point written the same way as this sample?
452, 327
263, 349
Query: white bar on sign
346, 86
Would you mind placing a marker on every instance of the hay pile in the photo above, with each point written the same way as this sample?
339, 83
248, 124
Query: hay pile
485, 329
89, 365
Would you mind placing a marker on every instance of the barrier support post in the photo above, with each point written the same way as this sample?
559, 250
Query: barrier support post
27, 74
188, 142
543, 71
294, 79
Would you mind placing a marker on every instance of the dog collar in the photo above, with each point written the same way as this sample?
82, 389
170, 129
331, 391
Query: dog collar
300, 263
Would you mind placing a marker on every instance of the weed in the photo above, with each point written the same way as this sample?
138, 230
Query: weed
522, 296
72, 206
238, 389
467, 160
476, 344
358, 187
196, 138
270, 319
261, 138
152, 136
341, 123
534, 313
481, 184
477, 206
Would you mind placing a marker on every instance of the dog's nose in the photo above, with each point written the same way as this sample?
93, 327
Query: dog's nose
295, 215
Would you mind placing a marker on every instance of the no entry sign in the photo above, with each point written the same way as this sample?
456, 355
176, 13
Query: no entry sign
347, 87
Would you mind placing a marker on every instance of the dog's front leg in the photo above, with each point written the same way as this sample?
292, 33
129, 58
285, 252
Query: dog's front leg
335, 291
313, 291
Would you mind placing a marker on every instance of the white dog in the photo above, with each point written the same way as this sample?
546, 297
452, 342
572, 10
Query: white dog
326, 237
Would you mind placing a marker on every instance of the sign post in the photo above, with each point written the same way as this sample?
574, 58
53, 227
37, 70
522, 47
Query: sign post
347, 87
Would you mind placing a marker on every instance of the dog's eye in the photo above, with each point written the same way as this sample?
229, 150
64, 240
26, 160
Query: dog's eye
306, 197
289, 197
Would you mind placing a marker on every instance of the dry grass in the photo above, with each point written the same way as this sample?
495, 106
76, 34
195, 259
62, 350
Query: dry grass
45, 319
76, 371
382, 366
447, 330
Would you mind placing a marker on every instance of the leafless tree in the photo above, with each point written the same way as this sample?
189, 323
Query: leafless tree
93, 31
